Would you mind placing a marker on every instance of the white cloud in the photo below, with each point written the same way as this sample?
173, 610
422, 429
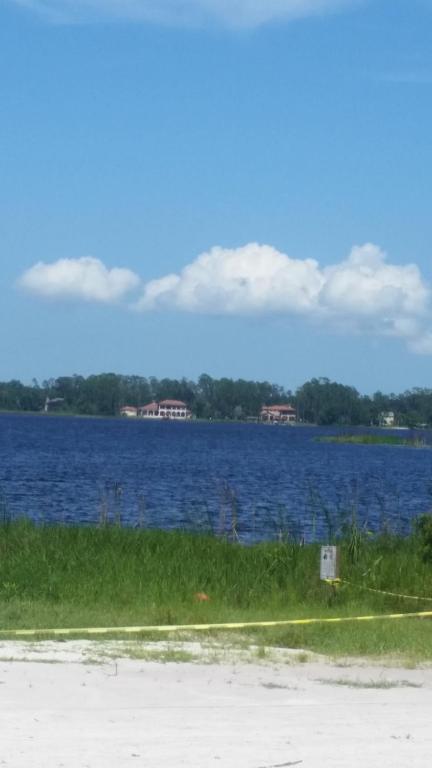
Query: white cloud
85, 278
366, 285
250, 279
364, 293
239, 13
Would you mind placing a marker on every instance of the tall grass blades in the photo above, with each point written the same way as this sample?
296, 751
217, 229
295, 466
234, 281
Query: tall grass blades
111, 576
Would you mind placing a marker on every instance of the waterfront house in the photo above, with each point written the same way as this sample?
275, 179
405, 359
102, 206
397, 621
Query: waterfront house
166, 409
150, 411
387, 419
278, 414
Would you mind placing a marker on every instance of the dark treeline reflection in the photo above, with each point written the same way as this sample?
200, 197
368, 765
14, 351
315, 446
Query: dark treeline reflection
318, 401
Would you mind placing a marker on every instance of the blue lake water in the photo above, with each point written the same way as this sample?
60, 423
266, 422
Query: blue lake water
266, 481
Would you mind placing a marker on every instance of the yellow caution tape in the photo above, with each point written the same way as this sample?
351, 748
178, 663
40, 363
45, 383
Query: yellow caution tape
205, 627
335, 582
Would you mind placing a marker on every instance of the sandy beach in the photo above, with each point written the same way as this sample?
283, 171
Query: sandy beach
84, 705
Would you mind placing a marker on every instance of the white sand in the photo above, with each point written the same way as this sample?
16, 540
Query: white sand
125, 712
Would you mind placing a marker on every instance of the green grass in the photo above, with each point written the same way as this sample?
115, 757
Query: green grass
78, 577
410, 442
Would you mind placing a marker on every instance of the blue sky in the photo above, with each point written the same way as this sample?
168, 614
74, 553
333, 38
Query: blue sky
237, 188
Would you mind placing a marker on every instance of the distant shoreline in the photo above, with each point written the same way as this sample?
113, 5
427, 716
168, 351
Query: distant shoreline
257, 422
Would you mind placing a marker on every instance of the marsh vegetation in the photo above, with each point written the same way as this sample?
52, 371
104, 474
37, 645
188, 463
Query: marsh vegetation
57, 576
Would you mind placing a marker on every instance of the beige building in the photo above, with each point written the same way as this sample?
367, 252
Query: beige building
278, 414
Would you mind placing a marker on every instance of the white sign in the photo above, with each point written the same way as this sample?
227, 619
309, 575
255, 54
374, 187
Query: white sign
329, 563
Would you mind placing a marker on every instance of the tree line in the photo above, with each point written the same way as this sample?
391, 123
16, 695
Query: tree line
318, 401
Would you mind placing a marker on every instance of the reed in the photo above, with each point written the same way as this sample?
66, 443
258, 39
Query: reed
114, 576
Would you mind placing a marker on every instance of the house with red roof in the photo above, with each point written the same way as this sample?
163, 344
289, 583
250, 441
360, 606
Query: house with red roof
278, 414
150, 411
165, 409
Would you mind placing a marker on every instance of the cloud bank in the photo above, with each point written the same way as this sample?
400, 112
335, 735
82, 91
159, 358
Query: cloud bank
236, 13
363, 294
87, 279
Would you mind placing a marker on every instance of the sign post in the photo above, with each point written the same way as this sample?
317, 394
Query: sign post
329, 565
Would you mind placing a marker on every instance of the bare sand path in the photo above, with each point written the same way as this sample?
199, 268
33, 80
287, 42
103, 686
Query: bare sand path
60, 709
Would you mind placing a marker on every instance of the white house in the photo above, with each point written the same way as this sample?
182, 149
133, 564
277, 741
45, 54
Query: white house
387, 419
278, 414
150, 411
166, 409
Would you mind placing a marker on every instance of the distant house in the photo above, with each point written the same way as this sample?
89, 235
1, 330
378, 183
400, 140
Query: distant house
387, 419
278, 414
166, 409
174, 409
53, 403
150, 411
129, 410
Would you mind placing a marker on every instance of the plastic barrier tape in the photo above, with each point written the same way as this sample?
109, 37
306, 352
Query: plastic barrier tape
335, 582
205, 627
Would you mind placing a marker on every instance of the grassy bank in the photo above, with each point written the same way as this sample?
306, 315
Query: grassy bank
412, 442
72, 577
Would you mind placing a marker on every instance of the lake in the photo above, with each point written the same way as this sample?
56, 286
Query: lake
252, 481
